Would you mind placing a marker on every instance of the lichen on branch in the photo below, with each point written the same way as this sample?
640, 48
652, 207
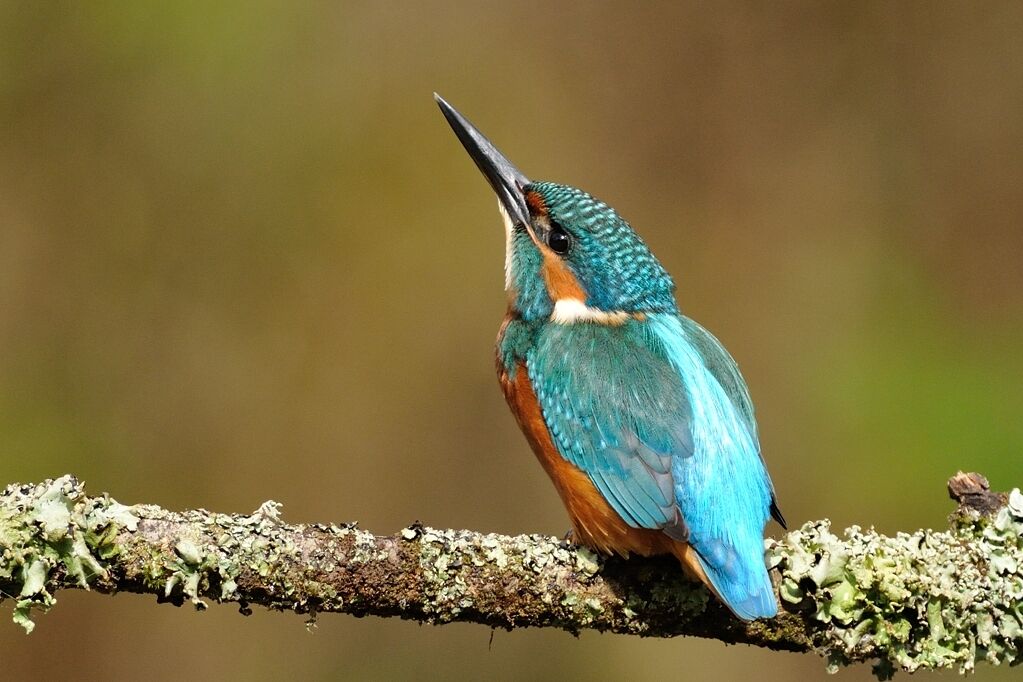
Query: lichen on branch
927, 599
923, 600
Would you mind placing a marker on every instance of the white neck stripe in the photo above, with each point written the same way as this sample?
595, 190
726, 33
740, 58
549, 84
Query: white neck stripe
572, 310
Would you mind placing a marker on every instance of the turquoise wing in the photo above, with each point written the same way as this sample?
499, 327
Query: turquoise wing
616, 408
658, 416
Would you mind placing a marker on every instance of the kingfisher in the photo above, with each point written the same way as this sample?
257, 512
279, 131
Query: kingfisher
637, 413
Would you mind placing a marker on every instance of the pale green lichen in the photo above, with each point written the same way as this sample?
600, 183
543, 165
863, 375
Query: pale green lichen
586, 561
445, 555
212, 563
53, 531
927, 599
922, 600
54, 526
189, 553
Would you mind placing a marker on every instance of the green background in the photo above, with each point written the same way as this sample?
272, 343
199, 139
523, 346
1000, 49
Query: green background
243, 257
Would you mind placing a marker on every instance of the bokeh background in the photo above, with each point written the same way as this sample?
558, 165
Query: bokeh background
243, 257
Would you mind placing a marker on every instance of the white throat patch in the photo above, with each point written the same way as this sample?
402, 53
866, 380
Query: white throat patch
572, 310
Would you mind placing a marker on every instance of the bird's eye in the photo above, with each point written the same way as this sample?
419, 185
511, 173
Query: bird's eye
558, 239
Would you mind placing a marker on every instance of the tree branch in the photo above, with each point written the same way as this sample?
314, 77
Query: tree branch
923, 600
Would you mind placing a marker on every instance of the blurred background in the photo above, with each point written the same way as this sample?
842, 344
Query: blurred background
243, 257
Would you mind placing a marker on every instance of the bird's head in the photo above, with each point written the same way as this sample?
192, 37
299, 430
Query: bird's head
570, 257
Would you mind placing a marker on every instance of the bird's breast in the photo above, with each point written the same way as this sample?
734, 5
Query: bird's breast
594, 522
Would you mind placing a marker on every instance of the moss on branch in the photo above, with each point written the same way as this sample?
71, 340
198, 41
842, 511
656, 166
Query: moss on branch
923, 600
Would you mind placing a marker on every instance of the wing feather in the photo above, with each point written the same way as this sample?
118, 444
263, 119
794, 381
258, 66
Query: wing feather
659, 418
616, 408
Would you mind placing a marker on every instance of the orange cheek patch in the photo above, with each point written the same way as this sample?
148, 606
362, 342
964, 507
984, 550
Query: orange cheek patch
560, 281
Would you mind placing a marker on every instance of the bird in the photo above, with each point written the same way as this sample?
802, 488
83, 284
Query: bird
638, 414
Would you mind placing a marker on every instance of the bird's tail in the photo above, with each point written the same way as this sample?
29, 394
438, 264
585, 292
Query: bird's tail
736, 575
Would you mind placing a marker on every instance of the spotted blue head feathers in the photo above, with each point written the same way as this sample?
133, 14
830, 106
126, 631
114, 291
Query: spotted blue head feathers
613, 265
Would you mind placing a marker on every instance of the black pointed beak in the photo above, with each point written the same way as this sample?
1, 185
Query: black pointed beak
507, 180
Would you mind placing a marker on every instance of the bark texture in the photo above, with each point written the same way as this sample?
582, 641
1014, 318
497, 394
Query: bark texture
929, 599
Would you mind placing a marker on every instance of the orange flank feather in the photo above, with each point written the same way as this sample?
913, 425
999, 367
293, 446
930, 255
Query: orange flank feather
594, 522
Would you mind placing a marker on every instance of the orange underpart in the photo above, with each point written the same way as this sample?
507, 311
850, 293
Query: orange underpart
595, 523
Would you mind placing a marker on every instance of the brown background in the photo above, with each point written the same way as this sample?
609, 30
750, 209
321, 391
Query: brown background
242, 257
